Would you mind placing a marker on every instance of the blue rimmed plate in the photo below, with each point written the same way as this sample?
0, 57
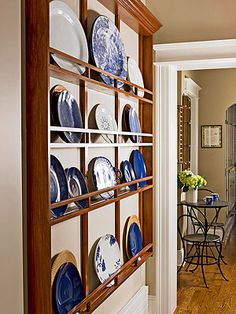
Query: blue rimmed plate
139, 166
107, 49
134, 125
77, 185
58, 185
128, 173
134, 242
68, 288
107, 257
66, 112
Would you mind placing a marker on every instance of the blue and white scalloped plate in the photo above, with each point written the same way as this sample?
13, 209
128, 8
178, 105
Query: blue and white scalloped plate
107, 258
107, 49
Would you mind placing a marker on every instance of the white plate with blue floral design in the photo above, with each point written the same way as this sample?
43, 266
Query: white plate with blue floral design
107, 258
105, 122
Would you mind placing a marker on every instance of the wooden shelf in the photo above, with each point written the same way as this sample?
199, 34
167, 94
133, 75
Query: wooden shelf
75, 78
99, 295
97, 145
92, 205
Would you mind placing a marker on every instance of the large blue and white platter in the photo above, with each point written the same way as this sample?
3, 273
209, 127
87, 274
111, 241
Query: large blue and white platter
67, 35
107, 258
58, 186
139, 166
66, 112
77, 185
107, 49
68, 288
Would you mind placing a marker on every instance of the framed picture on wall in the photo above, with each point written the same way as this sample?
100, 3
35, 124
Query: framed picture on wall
211, 136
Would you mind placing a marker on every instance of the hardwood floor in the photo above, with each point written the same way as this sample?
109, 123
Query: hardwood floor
220, 298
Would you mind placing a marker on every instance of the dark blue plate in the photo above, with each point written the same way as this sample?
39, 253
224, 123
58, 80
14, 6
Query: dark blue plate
66, 113
107, 50
128, 173
58, 170
139, 166
134, 125
77, 185
68, 288
54, 187
135, 241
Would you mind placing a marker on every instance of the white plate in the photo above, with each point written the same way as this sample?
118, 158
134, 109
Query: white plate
107, 258
135, 75
105, 121
67, 35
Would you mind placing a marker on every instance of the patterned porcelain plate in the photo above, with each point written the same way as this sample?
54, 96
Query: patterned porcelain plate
67, 35
107, 258
134, 125
139, 166
105, 121
77, 185
65, 112
103, 175
135, 75
107, 49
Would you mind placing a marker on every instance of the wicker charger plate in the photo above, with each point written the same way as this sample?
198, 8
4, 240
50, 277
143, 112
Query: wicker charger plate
132, 219
60, 259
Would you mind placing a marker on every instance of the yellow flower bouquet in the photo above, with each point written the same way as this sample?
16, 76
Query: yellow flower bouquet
187, 179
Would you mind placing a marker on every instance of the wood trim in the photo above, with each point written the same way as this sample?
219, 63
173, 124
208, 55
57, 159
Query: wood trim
38, 203
135, 14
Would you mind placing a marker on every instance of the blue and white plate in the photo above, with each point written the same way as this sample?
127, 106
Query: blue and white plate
58, 180
139, 166
135, 241
128, 173
107, 49
103, 175
107, 258
68, 288
66, 112
77, 185
134, 125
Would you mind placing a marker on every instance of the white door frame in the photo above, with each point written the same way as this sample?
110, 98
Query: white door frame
171, 58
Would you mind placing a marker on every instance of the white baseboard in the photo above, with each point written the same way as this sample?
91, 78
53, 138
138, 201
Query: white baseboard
138, 304
151, 304
180, 256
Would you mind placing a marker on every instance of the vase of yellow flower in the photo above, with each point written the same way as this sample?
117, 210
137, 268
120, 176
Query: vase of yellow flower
190, 182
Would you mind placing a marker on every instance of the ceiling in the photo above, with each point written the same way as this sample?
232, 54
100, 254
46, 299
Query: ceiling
191, 20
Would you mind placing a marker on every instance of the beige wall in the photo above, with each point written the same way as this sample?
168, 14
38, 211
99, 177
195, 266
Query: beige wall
11, 262
185, 20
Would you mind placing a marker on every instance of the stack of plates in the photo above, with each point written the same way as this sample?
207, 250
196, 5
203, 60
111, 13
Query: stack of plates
133, 239
135, 75
67, 35
66, 283
107, 257
107, 49
65, 112
131, 122
101, 175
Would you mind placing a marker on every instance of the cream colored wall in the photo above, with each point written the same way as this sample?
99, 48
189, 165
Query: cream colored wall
11, 262
185, 20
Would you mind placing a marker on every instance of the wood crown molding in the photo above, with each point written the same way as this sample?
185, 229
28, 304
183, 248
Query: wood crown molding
135, 14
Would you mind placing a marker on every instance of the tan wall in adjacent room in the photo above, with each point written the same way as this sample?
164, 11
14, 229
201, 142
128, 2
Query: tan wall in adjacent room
185, 20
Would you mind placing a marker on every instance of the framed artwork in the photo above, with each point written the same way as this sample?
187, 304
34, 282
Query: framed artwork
211, 136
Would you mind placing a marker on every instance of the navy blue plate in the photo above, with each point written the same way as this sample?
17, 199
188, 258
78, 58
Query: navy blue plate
135, 241
134, 125
77, 185
107, 50
68, 288
59, 172
128, 173
139, 166
54, 187
66, 113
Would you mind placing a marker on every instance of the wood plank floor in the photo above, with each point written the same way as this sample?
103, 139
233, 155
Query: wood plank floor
220, 298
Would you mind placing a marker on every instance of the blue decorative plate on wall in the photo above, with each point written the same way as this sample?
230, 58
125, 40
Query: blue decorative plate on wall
58, 180
134, 125
68, 288
107, 49
107, 258
139, 166
77, 185
135, 241
128, 173
66, 113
